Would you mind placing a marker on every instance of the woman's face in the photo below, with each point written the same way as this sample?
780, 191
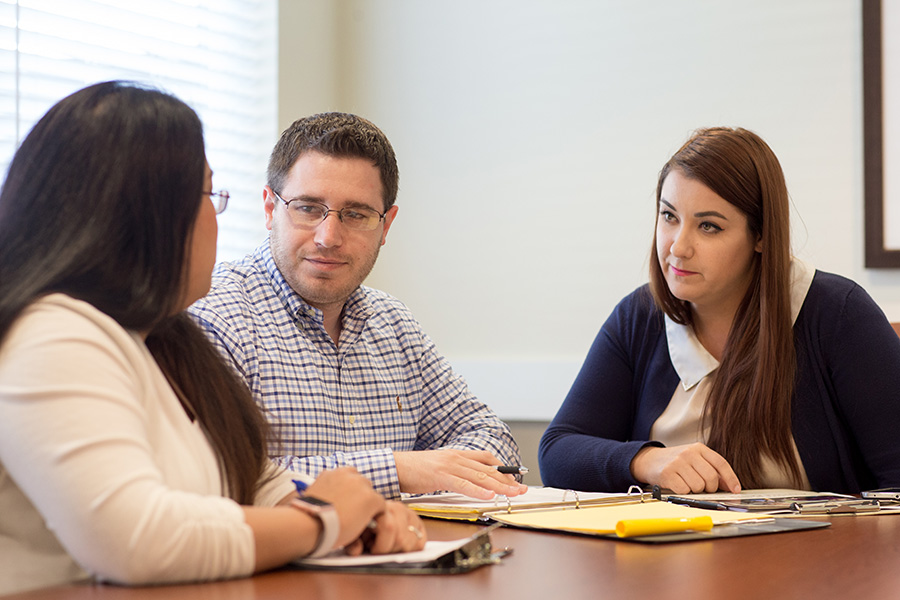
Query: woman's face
202, 251
703, 244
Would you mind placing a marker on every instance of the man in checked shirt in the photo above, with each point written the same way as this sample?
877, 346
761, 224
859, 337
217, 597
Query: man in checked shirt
344, 372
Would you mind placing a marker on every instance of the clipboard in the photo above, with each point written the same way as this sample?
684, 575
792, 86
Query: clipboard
790, 503
603, 521
438, 558
776, 525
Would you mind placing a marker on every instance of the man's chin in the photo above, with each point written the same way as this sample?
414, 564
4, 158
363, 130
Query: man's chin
319, 295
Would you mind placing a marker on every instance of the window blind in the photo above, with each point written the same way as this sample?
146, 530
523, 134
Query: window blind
219, 56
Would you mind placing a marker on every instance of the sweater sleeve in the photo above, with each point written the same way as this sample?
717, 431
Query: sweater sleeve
861, 355
591, 442
103, 452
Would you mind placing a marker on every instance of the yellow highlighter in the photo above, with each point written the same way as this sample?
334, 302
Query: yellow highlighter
635, 527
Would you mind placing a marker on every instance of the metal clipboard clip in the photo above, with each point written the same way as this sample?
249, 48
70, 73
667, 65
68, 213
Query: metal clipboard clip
850, 507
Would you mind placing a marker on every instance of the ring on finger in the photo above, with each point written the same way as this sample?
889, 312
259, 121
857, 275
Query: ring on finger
417, 533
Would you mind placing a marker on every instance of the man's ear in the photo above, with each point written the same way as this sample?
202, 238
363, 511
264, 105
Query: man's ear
389, 217
269, 205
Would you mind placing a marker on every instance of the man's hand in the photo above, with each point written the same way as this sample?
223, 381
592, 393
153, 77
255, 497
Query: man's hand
685, 469
470, 472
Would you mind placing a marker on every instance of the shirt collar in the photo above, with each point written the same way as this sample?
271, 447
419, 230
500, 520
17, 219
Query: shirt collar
693, 362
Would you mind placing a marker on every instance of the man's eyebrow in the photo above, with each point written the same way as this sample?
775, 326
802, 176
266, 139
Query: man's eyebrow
318, 200
360, 204
307, 198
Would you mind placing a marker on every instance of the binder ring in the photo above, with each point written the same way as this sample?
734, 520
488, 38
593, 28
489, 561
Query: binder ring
637, 490
577, 499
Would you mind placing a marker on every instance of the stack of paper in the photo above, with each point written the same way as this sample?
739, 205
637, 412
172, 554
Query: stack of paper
602, 520
460, 507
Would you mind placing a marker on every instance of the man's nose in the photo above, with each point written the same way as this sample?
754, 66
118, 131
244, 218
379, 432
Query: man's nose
329, 233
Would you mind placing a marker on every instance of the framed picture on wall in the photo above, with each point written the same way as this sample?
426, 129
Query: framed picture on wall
881, 129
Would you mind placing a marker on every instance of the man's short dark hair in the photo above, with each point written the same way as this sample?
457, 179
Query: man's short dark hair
335, 134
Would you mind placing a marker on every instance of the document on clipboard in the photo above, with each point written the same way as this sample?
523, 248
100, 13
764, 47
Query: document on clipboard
795, 503
455, 556
463, 508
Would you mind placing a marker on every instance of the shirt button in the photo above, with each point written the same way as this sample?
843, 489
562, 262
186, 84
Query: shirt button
352, 419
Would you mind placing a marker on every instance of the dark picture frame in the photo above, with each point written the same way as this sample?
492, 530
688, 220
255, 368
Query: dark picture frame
877, 255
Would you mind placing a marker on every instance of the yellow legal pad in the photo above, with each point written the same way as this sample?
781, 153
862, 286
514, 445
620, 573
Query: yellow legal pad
602, 520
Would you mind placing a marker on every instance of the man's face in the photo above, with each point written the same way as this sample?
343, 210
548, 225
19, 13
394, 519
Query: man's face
326, 263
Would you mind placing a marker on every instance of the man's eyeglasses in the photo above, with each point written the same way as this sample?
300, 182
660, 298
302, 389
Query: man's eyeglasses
219, 199
308, 214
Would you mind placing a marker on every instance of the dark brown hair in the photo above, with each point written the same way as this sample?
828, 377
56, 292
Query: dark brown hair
749, 405
335, 134
99, 203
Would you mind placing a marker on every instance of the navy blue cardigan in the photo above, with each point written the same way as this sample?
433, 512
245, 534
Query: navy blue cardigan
845, 411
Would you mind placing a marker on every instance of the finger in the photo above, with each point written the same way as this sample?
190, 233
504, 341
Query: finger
484, 462
727, 479
513, 487
675, 483
418, 529
354, 548
467, 487
412, 539
411, 535
386, 533
481, 456
707, 479
489, 478
692, 480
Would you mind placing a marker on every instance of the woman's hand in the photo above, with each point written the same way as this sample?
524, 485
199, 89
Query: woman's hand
368, 521
352, 496
397, 529
685, 469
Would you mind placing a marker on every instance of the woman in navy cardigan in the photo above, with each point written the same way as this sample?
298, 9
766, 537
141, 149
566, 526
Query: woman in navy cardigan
737, 365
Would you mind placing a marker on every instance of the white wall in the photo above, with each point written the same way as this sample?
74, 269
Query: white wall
529, 135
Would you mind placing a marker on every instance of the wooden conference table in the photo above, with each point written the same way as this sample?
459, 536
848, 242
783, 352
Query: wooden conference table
857, 557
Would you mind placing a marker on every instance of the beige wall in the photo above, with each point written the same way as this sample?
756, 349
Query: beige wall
530, 133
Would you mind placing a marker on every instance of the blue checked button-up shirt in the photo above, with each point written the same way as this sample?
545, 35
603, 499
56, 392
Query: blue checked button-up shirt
383, 388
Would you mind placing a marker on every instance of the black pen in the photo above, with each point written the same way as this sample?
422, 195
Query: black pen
707, 504
512, 469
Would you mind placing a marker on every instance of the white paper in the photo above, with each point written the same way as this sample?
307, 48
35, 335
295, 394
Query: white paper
534, 495
432, 551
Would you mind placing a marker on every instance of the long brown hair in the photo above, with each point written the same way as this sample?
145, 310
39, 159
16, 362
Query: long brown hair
99, 203
749, 405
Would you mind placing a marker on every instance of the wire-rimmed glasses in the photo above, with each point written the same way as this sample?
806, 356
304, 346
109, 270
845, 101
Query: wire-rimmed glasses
219, 199
309, 214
